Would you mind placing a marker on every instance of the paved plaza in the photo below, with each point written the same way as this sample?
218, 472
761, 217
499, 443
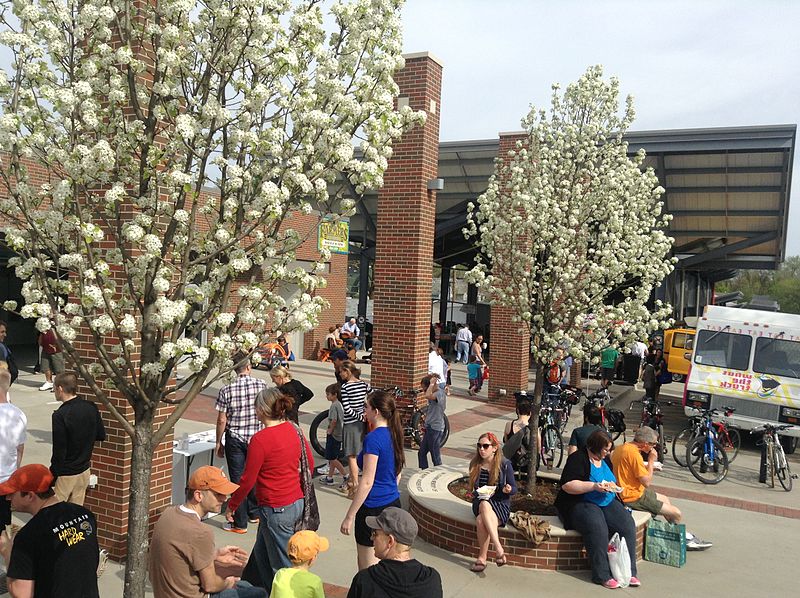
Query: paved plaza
754, 528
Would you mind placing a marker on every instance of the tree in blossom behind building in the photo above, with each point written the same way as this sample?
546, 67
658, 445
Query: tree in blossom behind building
135, 111
571, 229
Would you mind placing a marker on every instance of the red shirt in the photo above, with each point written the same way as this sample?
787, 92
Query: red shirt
273, 466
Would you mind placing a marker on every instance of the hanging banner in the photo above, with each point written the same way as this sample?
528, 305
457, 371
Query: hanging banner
334, 235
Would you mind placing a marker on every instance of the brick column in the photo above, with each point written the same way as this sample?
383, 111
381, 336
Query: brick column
509, 346
406, 221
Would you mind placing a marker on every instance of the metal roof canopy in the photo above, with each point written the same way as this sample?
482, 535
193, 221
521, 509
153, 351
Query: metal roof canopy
727, 189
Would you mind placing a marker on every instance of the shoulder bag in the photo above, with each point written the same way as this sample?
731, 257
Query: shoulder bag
310, 517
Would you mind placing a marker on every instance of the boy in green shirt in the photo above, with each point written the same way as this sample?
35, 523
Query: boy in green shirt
608, 364
297, 581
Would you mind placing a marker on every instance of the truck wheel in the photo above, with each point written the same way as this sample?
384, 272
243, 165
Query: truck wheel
789, 444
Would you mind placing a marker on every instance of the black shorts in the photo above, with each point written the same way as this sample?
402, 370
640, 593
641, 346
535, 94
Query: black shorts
333, 449
363, 531
608, 373
5, 513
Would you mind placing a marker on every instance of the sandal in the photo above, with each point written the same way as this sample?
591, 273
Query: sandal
477, 567
501, 560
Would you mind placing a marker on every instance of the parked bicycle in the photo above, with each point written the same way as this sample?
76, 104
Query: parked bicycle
729, 437
414, 430
613, 420
272, 354
551, 445
653, 417
705, 457
777, 464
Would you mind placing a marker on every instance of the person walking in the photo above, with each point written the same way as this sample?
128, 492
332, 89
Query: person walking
300, 393
353, 392
52, 357
237, 422
463, 342
434, 421
77, 425
13, 425
381, 461
273, 469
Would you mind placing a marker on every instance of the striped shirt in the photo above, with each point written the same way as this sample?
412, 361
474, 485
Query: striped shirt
353, 395
238, 401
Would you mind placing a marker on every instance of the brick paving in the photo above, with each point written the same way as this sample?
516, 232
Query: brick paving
733, 503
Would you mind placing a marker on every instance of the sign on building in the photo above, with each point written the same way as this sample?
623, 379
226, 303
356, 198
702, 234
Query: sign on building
334, 235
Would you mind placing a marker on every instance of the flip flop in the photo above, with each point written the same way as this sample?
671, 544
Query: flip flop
477, 567
501, 560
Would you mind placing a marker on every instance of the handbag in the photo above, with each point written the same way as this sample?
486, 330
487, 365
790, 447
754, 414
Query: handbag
665, 543
310, 516
619, 560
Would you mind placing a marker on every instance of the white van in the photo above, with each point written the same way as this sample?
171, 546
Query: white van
749, 360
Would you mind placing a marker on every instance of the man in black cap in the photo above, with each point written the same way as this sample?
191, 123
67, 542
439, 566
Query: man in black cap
397, 575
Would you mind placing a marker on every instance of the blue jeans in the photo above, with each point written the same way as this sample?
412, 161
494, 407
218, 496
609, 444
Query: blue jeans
431, 443
235, 456
242, 589
597, 525
274, 531
462, 350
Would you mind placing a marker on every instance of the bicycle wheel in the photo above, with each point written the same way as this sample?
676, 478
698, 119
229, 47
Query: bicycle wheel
704, 467
680, 444
782, 471
418, 426
318, 433
731, 441
446, 433
553, 446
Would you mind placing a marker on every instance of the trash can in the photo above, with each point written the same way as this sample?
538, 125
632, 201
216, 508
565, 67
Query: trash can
630, 368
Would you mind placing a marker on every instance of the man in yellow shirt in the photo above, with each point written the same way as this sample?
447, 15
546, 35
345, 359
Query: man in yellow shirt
635, 475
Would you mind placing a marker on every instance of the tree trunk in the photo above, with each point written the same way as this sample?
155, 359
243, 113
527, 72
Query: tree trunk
139, 505
533, 424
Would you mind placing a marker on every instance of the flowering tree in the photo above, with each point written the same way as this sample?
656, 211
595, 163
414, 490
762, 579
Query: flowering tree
571, 229
178, 137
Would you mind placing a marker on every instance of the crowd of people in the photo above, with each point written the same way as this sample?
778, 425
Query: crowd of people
266, 452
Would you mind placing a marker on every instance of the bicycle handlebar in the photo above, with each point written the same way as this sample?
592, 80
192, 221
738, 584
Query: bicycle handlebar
771, 428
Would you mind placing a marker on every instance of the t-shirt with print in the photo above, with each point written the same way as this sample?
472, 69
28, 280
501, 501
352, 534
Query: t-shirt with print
384, 488
58, 550
629, 468
296, 583
13, 424
335, 412
181, 547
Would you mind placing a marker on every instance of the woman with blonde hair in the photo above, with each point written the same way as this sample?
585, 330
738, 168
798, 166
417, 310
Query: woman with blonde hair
381, 460
273, 467
299, 392
489, 468
353, 392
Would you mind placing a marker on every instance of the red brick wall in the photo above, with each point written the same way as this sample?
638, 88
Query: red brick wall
406, 221
510, 342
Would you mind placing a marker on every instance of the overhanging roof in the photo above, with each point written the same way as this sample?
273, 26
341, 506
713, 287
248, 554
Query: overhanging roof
727, 188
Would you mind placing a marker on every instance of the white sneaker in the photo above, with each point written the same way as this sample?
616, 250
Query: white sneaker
323, 469
46, 386
695, 543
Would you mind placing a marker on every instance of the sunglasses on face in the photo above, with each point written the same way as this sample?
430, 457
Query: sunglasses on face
484, 446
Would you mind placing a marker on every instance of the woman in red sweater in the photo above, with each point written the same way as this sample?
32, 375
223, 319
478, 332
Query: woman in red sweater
272, 466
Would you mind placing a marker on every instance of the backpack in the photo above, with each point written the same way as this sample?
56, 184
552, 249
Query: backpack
517, 448
554, 373
616, 420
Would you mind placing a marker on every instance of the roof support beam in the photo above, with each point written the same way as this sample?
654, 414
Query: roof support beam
725, 212
725, 250
723, 189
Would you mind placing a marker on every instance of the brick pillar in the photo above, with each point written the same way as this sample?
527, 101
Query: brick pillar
509, 345
406, 221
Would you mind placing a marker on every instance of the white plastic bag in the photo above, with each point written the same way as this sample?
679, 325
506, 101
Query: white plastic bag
619, 560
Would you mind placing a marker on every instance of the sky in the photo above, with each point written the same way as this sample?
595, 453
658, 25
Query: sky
703, 63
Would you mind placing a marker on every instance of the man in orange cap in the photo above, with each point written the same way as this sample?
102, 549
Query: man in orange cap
57, 548
183, 558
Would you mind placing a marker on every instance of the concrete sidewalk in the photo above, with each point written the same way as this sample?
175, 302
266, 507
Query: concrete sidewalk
751, 552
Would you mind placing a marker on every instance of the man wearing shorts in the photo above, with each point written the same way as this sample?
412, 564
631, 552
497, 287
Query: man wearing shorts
52, 358
608, 364
635, 476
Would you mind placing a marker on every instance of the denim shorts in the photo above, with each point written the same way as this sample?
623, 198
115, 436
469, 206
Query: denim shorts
333, 449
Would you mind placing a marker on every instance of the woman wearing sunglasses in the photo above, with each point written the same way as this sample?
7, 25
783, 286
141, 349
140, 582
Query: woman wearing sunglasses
489, 468
588, 503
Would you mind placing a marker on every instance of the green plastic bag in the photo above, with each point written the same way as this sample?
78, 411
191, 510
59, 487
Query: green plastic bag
665, 543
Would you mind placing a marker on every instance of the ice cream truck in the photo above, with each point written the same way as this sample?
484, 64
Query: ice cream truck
748, 360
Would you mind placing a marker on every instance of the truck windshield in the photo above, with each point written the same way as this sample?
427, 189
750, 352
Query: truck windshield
778, 357
722, 349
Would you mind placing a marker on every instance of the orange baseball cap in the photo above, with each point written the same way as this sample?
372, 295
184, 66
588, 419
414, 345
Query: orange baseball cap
305, 545
28, 478
213, 478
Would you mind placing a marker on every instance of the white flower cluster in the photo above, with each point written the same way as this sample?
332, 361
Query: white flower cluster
572, 227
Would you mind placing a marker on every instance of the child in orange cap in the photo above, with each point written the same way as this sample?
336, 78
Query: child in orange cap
297, 581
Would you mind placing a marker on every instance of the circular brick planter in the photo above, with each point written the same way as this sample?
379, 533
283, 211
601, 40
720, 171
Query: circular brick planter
447, 522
